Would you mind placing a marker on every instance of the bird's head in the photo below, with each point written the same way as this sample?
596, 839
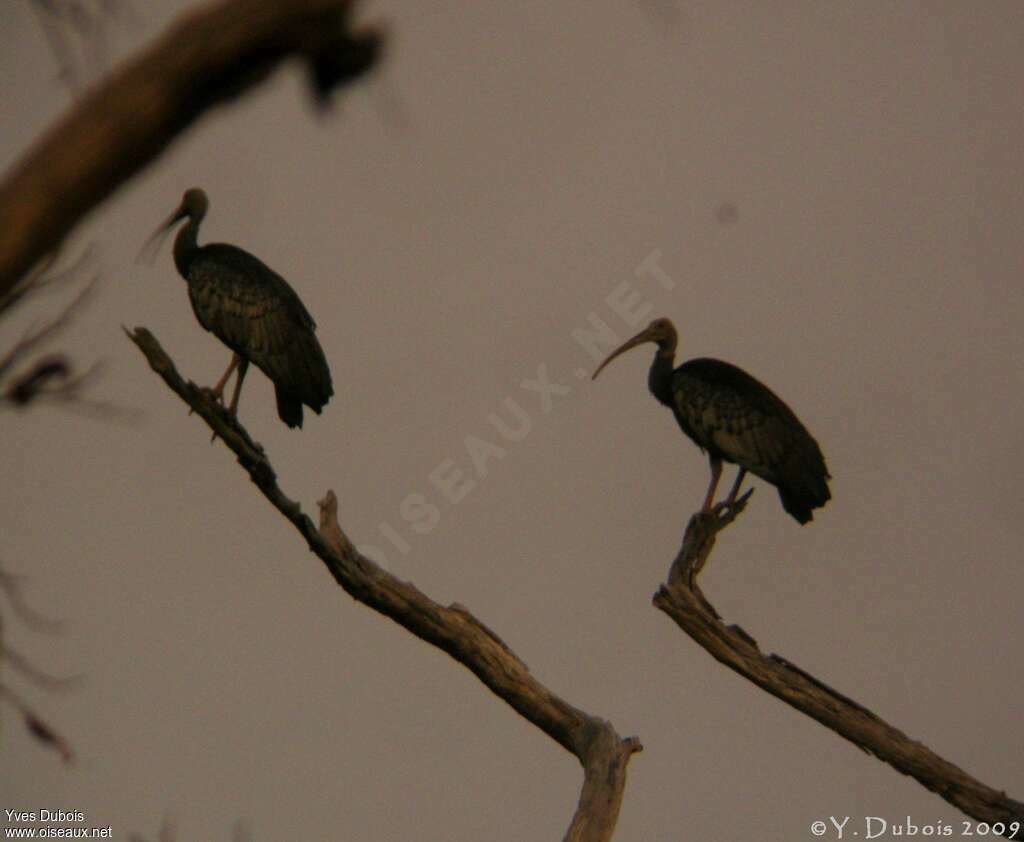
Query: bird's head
193, 206
661, 331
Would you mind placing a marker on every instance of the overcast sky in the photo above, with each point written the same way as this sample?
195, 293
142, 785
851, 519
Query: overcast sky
833, 195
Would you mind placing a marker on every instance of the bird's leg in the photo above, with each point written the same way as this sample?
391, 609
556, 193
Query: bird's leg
243, 367
218, 390
716, 472
730, 501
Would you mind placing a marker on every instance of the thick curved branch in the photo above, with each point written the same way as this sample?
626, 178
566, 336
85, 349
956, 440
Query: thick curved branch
209, 56
683, 601
602, 753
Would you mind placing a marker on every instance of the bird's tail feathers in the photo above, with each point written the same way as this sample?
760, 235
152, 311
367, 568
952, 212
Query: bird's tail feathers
796, 505
308, 358
804, 490
289, 407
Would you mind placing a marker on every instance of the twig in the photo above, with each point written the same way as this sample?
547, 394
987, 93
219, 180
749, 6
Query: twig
29, 386
42, 679
51, 378
683, 601
38, 335
37, 727
76, 28
35, 724
601, 751
10, 586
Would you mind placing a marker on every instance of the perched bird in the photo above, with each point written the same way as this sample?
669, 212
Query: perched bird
252, 310
737, 419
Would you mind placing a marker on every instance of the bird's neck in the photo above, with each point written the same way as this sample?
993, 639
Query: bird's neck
659, 381
186, 246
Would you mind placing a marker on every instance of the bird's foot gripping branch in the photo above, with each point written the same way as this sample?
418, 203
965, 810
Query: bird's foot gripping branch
200, 399
699, 539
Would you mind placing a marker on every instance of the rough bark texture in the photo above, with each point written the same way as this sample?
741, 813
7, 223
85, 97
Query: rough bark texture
684, 602
600, 750
209, 56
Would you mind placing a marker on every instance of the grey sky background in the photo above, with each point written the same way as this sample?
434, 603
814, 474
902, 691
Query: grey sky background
449, 225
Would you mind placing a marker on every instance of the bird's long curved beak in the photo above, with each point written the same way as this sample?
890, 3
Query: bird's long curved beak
642, 337
151, 247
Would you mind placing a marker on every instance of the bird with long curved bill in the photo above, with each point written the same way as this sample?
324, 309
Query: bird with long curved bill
735, 418
252, 310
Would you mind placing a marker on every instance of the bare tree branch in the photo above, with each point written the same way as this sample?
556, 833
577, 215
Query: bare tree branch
684, 602
208, 57
600, 750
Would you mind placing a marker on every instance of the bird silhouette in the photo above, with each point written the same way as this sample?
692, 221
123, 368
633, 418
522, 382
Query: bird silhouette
253, 311
735, 418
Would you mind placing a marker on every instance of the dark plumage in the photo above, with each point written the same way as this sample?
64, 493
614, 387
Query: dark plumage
253, 311
737, 419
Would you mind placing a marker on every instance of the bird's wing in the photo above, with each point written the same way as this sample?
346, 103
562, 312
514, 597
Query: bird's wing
257, 314
744, 420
